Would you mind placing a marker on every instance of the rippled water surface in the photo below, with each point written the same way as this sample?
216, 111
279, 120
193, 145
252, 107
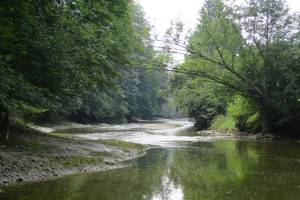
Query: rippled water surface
183, 166
163, 133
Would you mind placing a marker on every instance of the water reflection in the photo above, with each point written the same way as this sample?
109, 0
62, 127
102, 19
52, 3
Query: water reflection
170, 190
225, 169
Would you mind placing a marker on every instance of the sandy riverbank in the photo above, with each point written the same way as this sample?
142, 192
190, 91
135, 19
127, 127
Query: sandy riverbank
34, 156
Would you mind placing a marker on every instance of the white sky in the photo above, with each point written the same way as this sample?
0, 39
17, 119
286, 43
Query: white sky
161, 12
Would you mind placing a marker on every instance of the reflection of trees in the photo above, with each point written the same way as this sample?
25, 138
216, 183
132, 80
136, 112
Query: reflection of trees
210, 172
142, 181
218, 170
236, 170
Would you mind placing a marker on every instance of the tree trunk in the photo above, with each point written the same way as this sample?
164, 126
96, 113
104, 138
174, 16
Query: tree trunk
4, 127
269, 119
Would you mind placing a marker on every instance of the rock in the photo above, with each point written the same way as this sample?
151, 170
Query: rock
110, 163
19, 180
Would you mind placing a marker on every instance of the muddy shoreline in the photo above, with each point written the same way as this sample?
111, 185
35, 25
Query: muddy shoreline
32, 156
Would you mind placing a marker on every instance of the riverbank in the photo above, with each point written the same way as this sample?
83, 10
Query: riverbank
52, 151
31, 155
262, 137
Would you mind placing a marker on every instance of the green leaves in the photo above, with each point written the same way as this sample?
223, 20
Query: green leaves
65, 58
249, 51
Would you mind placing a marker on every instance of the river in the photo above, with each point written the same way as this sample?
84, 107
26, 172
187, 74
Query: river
181, 166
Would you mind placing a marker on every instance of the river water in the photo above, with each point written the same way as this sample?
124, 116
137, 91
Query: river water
181, 166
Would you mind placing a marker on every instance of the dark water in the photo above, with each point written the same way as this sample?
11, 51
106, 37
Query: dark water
224, 169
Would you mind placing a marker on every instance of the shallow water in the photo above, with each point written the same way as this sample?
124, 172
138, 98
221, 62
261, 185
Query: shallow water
163, 133
192, 170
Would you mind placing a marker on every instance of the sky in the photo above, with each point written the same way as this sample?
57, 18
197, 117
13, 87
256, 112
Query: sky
160, 12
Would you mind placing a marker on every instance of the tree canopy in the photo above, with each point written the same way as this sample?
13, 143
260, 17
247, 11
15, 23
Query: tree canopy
77, 59
249, 52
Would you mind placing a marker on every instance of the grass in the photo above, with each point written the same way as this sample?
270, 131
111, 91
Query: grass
178, 125
36, 146
76, 161
30, 145
62, 135
102, 154
223, 123
123, 144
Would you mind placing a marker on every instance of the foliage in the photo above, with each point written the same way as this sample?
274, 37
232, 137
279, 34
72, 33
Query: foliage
78, 60
245, 114
223, 123
252, 51
198, 99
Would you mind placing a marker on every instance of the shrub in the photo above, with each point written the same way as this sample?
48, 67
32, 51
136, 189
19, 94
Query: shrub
246, 115
224, 123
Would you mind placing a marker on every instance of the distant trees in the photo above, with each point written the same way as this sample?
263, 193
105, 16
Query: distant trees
77, 59
251, 51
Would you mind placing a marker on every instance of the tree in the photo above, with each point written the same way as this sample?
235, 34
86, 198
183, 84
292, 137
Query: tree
252, 51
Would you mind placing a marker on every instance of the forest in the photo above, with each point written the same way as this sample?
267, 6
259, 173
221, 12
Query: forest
95, 61
77, 60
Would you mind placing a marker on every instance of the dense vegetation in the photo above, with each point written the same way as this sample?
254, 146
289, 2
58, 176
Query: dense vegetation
94, 61
78, 60
242, 68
